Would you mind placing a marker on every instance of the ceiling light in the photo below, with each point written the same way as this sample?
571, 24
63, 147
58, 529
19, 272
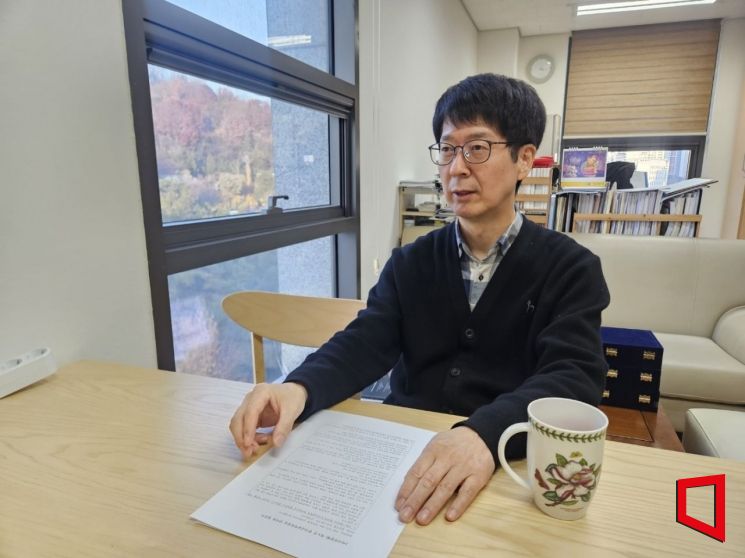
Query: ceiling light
633, 5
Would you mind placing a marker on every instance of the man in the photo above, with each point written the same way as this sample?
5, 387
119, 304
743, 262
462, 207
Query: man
478, 318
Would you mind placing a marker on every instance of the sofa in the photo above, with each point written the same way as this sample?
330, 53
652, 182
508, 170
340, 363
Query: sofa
714, 432
691, 293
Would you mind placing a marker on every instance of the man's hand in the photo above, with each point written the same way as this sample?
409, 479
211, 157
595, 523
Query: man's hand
453, 461
276, 405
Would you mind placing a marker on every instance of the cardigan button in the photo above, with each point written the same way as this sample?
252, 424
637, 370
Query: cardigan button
469, 333
454, 372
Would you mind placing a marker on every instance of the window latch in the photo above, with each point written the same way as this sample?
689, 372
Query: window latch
272, 204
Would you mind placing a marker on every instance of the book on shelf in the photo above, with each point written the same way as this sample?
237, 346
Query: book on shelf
533, 195
541, 172
612, 211
686, 204
552, 207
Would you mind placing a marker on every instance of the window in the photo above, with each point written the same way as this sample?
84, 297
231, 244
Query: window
650, 97
223, 151
298, 28
665, 159
662, 167
235, 102
207, 342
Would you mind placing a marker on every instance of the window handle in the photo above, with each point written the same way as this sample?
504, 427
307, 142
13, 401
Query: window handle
272, 204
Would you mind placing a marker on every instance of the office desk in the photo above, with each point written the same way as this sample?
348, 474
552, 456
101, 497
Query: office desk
107, 460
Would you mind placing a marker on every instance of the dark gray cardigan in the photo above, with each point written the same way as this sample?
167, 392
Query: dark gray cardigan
534, 333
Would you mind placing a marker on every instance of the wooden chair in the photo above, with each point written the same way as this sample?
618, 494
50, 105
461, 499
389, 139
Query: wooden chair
298, 320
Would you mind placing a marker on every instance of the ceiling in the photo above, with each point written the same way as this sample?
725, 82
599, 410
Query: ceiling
542, 17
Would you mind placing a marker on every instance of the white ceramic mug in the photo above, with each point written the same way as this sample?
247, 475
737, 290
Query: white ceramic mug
565, 450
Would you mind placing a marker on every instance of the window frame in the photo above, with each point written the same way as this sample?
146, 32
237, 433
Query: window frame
161, 33
696, 143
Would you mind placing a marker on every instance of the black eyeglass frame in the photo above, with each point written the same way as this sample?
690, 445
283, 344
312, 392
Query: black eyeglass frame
434, 147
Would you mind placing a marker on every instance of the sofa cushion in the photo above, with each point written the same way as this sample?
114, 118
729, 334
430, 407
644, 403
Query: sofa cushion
698, 369
729, 333
679, 285
663, 301
714, 432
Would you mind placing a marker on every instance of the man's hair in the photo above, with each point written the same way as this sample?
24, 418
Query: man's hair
510, 106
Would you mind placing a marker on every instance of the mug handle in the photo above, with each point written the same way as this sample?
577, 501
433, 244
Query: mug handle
506, 435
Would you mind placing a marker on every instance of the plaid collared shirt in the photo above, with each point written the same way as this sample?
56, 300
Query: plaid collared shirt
477, 273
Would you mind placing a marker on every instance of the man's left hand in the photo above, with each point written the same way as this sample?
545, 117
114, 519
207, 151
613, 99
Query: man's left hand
453, 461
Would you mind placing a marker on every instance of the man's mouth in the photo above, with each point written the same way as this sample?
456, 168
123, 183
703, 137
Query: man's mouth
462, 193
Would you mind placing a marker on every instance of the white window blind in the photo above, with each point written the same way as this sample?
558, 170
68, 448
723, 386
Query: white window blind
650, 79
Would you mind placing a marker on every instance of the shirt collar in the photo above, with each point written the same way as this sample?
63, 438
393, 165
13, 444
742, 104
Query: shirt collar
503, 242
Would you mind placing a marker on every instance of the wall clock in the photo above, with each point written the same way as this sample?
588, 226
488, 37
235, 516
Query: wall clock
540, 68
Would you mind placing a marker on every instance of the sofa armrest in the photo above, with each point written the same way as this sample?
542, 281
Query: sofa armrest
729, 333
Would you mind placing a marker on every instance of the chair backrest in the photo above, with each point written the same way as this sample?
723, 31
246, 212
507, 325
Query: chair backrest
298, 320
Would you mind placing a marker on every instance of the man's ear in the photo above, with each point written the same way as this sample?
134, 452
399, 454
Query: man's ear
525, 157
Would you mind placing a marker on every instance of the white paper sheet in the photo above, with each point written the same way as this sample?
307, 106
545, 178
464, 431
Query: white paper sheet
328, 492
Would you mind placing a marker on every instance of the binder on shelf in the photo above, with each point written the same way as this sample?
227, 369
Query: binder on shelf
551, 222
636, 211
685, 186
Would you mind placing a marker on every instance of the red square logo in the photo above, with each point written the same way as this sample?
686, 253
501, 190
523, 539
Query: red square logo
715, 531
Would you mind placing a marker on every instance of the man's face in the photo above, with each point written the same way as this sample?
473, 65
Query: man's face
483, 192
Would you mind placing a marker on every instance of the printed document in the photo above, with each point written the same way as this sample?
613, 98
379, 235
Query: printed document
328, 492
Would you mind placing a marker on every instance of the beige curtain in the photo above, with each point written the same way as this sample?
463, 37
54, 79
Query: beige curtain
650, 79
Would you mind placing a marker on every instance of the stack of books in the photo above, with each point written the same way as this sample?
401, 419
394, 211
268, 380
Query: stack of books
608, 210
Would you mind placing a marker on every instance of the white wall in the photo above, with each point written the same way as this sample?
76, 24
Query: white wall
721, 151
410, 52
506, 52
552, 92
73, 266
498, 51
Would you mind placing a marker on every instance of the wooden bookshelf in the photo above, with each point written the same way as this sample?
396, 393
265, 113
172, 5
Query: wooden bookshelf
407, 198
406, 201
540, 214
672, 212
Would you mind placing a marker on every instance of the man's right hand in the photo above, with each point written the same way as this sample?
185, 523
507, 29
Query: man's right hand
276, 405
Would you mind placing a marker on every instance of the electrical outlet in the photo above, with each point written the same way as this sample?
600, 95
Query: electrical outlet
376, 266
17, 373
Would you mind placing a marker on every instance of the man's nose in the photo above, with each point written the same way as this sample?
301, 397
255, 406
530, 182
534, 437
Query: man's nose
459, 165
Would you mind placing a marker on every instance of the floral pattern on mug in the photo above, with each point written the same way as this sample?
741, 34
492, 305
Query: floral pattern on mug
572, 479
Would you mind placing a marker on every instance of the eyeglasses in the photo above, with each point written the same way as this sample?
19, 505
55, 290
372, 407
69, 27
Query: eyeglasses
474, 151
